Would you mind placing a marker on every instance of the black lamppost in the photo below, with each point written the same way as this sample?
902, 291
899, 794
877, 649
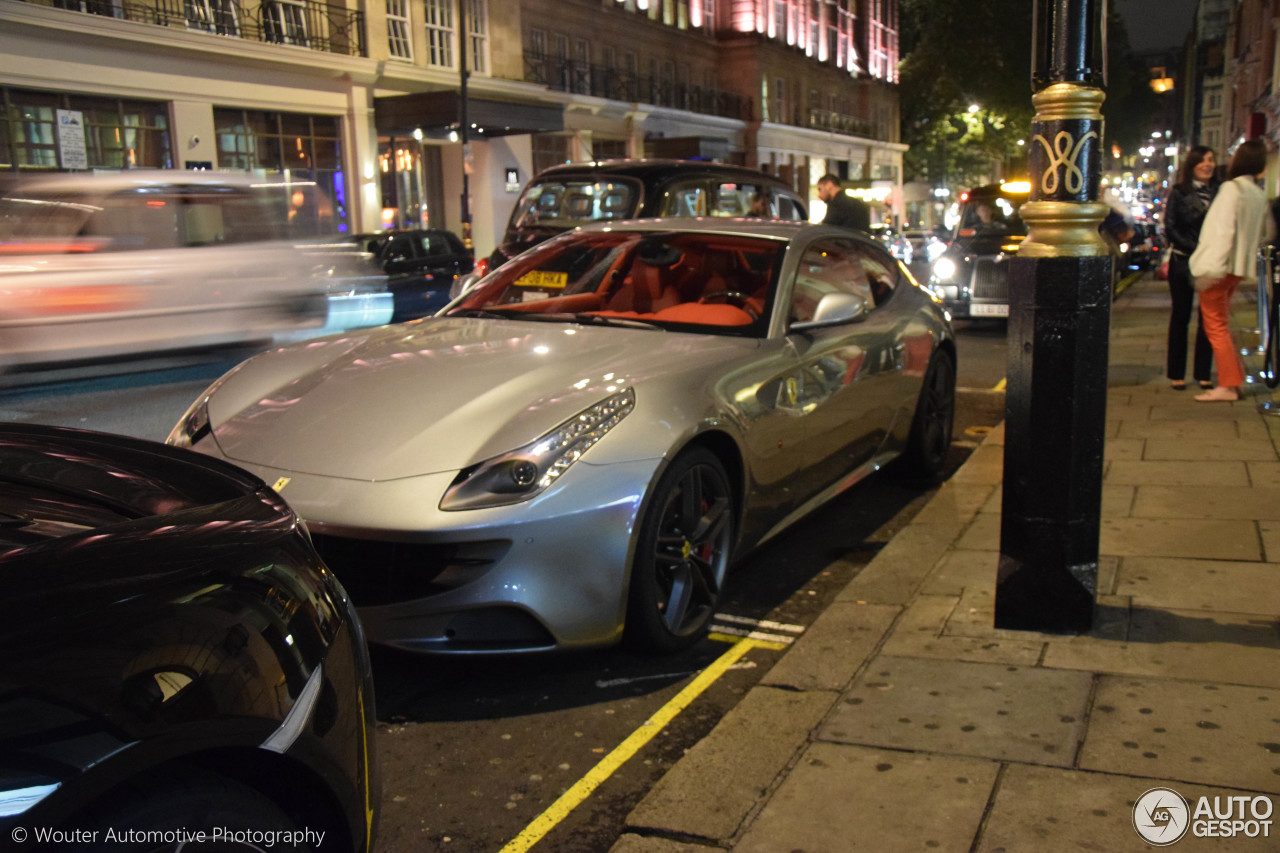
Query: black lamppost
1059, 316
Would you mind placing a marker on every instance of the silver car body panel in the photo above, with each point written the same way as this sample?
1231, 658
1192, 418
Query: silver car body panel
364, 432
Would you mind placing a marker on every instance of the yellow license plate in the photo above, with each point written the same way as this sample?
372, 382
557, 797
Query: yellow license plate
540, 278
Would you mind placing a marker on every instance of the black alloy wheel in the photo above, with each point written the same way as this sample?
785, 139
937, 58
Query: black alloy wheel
682, 554
930, 439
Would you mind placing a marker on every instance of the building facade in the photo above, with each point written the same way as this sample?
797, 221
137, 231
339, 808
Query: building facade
364, 98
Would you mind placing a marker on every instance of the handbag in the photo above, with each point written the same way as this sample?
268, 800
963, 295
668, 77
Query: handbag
1162, 270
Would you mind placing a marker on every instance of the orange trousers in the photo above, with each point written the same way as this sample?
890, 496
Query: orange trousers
1215, 308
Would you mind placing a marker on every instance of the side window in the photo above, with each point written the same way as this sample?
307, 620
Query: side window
841, 266
685, 199
881, 271
790, 207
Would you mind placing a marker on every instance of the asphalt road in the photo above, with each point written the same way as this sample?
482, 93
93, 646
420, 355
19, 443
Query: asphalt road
476, 751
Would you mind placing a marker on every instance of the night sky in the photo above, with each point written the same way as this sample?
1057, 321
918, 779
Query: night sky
1155, 24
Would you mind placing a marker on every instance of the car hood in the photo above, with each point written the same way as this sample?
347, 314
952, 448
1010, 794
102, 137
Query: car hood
438, 394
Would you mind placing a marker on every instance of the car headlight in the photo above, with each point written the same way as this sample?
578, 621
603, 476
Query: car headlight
944, 269
935, 249
193, 426
527, 471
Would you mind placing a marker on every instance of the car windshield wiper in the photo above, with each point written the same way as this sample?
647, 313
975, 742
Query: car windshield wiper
484, 313
590, 319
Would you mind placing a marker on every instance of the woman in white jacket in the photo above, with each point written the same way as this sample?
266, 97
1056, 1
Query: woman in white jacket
1236, 224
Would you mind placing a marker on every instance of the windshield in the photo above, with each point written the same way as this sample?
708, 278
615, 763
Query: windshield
719, 284
992, 216
570, 202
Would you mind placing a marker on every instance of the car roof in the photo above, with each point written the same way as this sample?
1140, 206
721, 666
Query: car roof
649, 169
771, 229
128, 179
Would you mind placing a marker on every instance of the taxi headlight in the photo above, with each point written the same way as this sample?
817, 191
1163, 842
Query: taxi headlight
530, 470
944, 269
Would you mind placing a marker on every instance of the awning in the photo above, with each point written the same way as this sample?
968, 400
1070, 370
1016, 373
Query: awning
436, 113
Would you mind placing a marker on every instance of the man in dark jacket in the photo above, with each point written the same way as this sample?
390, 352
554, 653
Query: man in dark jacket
842, 208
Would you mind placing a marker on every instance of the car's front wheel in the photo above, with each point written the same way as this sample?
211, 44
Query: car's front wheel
682, 554
930, 438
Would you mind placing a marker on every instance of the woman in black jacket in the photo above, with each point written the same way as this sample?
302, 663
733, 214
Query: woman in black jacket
1184, 212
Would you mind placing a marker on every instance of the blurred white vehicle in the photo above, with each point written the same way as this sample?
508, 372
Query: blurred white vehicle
95, 267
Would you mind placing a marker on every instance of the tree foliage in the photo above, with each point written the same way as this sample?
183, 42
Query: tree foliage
956, 55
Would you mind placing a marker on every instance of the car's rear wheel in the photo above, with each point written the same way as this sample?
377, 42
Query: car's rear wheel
930, 437
682, 554
166, 811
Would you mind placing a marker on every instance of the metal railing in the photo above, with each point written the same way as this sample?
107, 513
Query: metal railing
326, 27
580, 78
841, 123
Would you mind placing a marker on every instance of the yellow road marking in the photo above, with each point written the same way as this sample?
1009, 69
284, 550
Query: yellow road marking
596, 776
1000, 385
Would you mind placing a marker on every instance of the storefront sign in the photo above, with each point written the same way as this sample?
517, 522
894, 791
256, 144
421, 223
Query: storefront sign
71, 150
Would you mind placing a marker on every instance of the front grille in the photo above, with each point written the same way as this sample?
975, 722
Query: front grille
990, 279
376, 573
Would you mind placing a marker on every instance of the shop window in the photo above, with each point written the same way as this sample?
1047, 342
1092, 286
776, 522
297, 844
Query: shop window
549, 150
118, 133
299, 150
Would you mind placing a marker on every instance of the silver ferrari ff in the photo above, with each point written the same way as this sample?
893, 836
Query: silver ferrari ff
575, 450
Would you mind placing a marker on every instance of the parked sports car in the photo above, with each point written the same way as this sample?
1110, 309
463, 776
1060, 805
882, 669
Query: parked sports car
178, 659
580, 445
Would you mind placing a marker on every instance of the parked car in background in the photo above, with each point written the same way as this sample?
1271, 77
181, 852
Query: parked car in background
1143, 250
926, 246
581, 446
971, 275
421, 267
179, 658
576, 194
894, 240
104, 266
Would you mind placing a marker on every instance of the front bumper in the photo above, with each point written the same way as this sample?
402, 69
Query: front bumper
980, 288
550, 573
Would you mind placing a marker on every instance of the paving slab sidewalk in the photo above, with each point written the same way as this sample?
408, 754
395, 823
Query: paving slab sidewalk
903, 721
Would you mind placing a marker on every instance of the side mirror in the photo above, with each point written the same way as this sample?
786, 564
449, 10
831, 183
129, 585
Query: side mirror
835, 309
462, 284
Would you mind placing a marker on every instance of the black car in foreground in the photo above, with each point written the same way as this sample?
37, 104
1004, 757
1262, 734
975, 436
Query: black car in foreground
178, 661
421, 267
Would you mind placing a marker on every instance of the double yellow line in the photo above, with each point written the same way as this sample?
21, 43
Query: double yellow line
597, 775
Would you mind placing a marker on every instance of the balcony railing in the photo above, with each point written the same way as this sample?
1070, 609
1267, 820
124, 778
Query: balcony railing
565, 75
841, 123
326, 27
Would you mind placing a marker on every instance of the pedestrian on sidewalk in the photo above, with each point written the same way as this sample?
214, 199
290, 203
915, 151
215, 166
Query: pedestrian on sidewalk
1184, 212
1235, 226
